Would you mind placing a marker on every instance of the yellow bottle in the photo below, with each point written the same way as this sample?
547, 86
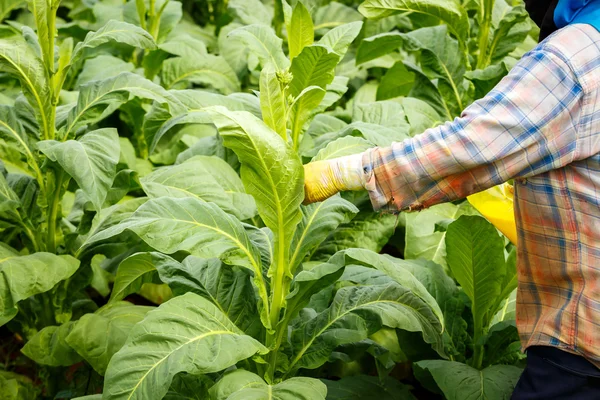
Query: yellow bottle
496, 204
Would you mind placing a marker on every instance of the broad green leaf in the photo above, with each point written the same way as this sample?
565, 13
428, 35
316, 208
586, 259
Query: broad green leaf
184, 45
313, 67
49, 347
205, 69
476, 258
376, 46
7, 6
509, 282
137, 270
272, 173
114, 32
484, 80
366, 230
90, 160
507, 309
334, 14
396, 82
301, 32
98, 99
244, 385
186, 334
318, 221
272, 101
334, 92
9, 203
420, 115
424, 90
25, 276
502, 344
98, 336
19, 60
459, 381
199, 228
422, 238
341, 37
511, 28
189, 387
262, 42
356, 313
250, 12
228, 288
449, 11
364, 387
102, 67
386, 113
234, 49
16, 387
206, 178
343, 146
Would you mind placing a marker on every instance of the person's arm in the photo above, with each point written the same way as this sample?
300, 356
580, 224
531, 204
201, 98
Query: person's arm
525, 126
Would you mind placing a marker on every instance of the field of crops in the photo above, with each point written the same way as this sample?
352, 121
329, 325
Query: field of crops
153, 238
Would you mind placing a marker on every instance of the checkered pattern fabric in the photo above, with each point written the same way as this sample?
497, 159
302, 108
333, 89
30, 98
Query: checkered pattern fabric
541, 126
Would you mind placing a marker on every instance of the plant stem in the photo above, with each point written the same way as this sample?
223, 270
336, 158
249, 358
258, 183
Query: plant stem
485, 18
53, 214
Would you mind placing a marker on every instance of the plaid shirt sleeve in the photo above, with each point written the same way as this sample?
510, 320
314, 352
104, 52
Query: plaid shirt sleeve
525, 126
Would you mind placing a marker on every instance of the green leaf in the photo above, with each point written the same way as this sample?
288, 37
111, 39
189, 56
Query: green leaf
318, 221
18, 59
49, 347
376, 46
512, 27
356, 313
205, 69
25, 276
459, 381
91, 161
334, 14
421, 238
301, 32
264, 43
98, 99
476, 259
244, 385
343, 146
186, 334
341, 37
199, 228
313, 67
7, 6
367, 230
250, 12
136, 270
114, 32
272, 173
16, 387
102, 67
189, 387
208, 179
486, 79
502, 344
228, 288
98, 336
396, 82
9, 203
272, 101
364, 387
449, 11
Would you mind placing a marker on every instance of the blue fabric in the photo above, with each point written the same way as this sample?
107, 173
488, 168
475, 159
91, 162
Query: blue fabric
577, 12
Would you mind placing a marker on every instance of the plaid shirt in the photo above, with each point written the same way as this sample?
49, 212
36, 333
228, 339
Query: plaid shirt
541, 126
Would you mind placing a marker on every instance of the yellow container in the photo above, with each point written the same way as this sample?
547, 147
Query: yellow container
496, 204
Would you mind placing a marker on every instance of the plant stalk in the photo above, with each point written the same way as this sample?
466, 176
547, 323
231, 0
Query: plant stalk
53, 213
485, 24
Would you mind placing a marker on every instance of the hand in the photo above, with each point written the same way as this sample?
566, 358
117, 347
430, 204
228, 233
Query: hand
323, 179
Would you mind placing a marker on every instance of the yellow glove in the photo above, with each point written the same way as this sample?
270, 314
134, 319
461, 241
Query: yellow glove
496, 204
323, 179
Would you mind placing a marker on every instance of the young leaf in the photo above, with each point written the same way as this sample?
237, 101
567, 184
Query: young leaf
356, 313
91, 161
98, 336
476, 259
459, 381
449, 11
114, 31
29, 275
262, 41
273, 177
272, 101
49, 347
301, 32
187, 333
206, 178
318, 221
340, 38
244, 385
205, 69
